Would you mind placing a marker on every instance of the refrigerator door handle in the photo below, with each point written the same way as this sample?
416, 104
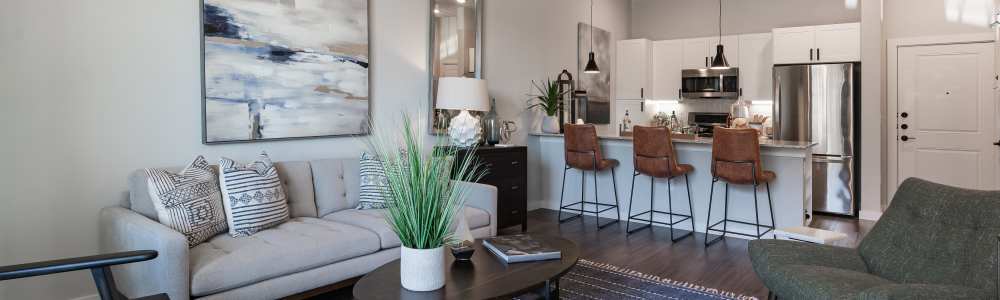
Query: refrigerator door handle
832, 159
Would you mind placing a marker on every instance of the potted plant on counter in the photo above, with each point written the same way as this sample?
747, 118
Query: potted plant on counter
548, 100
424, 202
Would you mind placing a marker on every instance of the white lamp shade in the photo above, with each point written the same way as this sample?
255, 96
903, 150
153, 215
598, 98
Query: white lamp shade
460, 93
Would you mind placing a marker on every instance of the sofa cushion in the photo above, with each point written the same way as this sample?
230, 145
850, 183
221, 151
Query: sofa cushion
374, 221
336, 183
224, 263
297, 178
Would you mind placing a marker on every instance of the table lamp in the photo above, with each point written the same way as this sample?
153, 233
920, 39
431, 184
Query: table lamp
464, 94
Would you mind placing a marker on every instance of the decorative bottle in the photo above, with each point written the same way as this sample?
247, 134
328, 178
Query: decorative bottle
492, 129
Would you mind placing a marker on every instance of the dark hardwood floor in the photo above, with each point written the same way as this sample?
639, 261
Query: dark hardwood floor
725, 265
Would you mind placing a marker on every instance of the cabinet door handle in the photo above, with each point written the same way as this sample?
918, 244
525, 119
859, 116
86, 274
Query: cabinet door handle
679, 94
515, 163
515, 187
707, 61
811, 54
642, 93
817, 54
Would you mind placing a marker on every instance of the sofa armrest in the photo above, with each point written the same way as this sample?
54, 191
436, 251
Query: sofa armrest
124, 230
483, 197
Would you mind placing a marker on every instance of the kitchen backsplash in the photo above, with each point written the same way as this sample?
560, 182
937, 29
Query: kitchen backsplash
762, 107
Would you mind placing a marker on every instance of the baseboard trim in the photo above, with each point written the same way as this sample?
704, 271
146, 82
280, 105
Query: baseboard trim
88, 297
870, 215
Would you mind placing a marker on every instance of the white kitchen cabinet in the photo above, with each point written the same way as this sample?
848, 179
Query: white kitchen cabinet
817, 44
699, 52
838, 43
756, 66
696, 55
667, 58
632, 70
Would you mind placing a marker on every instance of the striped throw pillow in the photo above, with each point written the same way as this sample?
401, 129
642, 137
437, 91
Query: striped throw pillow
253, 195
188, 202
374, 190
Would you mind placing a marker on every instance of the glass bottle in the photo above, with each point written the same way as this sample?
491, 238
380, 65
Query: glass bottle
675, 125
491, 125
627, 122
740, 112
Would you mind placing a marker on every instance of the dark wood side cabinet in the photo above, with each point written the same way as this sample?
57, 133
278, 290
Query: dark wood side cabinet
506, 169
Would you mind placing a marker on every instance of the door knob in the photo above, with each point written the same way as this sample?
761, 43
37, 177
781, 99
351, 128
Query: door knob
906, 138
904, 126
904, 115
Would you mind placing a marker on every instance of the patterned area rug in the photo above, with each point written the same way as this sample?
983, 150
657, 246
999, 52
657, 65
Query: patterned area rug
591, 280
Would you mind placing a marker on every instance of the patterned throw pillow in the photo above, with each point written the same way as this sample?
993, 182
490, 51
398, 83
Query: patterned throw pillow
253, 196
189, 202
374, 184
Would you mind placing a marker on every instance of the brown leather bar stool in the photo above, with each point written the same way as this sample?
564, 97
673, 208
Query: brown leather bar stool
654, 155
583, 152
736, 160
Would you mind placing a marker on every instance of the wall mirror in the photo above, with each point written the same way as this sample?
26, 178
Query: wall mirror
455, 49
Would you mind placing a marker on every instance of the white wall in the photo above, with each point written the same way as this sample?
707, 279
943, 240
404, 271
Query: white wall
532, 40
92, 90
872, 170
673, 19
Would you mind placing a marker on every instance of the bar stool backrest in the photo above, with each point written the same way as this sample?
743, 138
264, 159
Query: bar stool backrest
736, 155
653, 150
582, 146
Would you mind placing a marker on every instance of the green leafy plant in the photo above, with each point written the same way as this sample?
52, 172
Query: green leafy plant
425, 199
548, 97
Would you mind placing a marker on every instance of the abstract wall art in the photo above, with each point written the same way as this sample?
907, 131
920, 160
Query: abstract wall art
284, 69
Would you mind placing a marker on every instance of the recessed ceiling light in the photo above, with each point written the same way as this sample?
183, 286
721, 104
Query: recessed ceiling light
460, 1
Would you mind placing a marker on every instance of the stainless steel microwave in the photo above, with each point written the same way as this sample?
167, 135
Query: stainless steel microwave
710, 83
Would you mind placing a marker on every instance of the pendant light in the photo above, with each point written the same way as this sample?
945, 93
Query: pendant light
591, 62
719, 62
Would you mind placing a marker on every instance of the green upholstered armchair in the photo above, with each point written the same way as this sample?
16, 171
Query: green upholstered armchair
934, 242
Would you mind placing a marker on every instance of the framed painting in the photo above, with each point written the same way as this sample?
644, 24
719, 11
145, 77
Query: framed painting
284, 69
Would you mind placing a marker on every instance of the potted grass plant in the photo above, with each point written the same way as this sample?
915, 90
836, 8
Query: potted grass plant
425, 203
548, 100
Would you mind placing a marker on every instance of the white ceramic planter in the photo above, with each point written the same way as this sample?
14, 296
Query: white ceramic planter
550, 124
421, 270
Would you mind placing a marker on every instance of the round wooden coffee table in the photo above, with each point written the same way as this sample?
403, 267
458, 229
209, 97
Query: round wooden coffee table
485, 277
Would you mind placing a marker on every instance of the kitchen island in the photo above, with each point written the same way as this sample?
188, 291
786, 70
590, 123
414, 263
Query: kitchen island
791, 192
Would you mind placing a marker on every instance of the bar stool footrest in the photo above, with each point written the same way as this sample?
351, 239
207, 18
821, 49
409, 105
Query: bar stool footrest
711, 228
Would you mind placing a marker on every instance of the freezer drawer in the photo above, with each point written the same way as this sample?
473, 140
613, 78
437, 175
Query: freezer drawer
833, 185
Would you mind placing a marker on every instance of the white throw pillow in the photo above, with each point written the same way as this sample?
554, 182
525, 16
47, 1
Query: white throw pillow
189, 202
253, 196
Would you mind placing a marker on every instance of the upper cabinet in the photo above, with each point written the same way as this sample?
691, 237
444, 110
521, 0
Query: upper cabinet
756, 66
699, 52
818, 44
632, 70
667, 57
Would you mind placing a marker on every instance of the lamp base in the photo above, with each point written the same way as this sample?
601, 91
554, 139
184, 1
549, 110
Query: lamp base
465, 130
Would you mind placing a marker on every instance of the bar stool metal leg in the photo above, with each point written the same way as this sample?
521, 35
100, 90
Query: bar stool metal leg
614, 187
756, 210
708, 219
687, 184
562, 194
725, 213
631, 196
770, 205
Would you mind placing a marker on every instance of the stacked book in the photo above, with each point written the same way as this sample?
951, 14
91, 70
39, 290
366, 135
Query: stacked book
520, 248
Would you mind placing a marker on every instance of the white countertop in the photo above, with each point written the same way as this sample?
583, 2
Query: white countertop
764, 143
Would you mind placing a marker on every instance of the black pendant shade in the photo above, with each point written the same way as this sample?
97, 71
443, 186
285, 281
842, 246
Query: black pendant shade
591, 65
719, 62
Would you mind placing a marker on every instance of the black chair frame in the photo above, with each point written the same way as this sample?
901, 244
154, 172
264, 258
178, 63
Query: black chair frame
652, 212
597, 205
709, 227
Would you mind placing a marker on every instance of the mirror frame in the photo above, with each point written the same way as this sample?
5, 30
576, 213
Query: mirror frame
431, 99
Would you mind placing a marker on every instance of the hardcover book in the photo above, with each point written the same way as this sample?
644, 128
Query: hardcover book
520, 248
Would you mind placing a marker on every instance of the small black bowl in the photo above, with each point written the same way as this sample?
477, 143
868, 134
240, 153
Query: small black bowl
463, 251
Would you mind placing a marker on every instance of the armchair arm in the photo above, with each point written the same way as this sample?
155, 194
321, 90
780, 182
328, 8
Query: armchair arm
124, 230
74, 264
483, 197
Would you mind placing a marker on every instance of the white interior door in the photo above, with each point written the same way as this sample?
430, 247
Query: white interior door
947, 115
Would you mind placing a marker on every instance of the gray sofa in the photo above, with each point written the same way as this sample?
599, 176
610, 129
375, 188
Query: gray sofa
326, 241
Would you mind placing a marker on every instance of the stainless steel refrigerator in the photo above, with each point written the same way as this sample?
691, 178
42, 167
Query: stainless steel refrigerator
818, 103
